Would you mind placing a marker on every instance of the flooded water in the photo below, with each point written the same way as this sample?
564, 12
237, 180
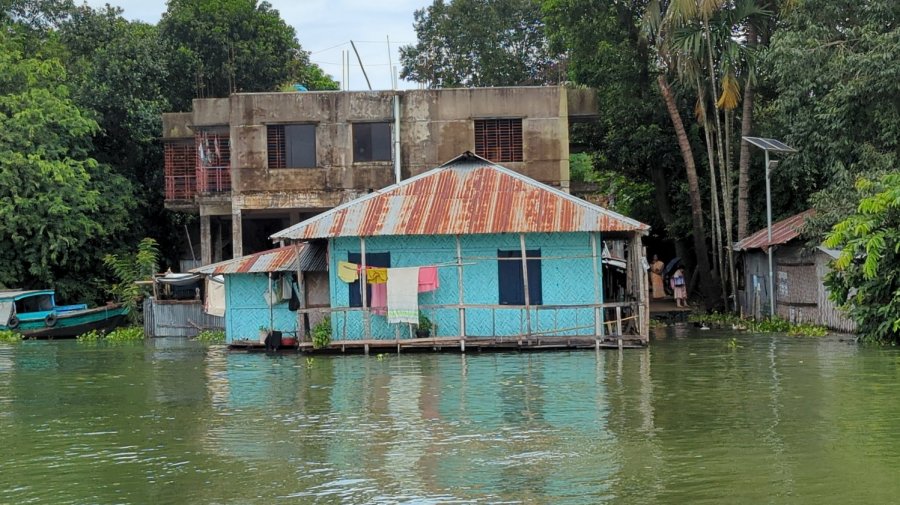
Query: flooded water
693, 419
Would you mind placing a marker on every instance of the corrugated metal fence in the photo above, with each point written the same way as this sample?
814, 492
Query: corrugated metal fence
177, 318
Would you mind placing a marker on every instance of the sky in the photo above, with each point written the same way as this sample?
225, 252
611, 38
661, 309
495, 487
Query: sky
325, 28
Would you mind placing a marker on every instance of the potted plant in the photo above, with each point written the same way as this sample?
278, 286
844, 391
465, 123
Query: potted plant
321, 333
423, 330
263, 333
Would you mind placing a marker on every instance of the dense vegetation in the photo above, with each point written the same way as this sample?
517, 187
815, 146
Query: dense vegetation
81, 96
679, 84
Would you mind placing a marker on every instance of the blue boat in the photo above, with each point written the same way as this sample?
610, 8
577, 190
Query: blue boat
34, 314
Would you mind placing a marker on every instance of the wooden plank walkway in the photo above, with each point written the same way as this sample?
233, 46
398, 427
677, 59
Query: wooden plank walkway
454, 344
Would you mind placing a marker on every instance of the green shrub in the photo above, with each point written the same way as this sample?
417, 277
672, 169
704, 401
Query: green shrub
10, 336
807, 330
90, 337
211, 336
767, 325
127, 334
321, 333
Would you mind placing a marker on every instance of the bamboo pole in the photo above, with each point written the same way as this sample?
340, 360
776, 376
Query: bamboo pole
525, 280
461, 288
363, 286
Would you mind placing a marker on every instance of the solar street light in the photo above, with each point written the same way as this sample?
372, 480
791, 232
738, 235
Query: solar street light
778, 147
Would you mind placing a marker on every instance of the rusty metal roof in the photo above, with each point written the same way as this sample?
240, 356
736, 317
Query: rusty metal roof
782, 232
468, 195
312, 258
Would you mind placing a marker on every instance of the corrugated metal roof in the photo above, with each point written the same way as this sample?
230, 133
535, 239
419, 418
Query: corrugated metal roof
312, 258
468, 195
782, 232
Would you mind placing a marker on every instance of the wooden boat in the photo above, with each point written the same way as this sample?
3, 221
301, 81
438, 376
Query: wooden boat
34, 314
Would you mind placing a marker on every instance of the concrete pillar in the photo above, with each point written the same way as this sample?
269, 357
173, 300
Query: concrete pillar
237, 235
294, 217
205, 241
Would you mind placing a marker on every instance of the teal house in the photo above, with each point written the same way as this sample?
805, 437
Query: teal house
511, 260
258, 289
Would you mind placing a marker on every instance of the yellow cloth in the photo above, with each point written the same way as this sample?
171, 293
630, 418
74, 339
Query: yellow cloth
348, 272
376, 275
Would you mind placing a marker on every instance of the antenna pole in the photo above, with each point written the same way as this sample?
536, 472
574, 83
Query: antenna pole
361, 66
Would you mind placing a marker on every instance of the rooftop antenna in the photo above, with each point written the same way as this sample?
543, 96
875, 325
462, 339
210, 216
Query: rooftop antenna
361, 66
391, 64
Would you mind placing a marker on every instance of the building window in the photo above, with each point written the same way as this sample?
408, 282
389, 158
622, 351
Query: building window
499, 140
372, 260
371, 142
510, 279
291, 145
213, 160
180, 164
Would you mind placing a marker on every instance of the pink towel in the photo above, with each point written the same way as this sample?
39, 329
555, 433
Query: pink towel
428, 279
378, 303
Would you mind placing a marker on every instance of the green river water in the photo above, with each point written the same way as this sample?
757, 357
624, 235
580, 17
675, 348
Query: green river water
690, 420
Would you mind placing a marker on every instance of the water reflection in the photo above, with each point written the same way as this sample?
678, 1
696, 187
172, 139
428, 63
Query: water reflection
692, 419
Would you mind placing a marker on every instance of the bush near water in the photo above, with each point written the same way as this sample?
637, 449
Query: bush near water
117, 336
766, 325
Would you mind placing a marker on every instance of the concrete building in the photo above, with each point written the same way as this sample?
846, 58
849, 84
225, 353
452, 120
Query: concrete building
255, 163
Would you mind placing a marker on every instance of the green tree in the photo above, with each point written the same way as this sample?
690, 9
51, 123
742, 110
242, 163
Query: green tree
217, 47
866, 275
59, 207
633, 136
834, 72
130, 268
480, 43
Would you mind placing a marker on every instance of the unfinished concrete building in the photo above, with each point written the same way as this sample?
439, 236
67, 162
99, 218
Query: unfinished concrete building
255, 163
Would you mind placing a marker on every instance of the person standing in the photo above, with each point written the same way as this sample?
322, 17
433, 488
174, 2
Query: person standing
679, 286
656, 277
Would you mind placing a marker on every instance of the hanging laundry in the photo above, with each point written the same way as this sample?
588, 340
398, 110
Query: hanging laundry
428, 279
378, 303
348, 272
375, 275
403, 295
286, 285
215, 298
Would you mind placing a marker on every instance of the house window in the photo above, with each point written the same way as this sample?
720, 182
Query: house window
510, 279
291, 145
372, 260
499, 140
371, 142
180, 162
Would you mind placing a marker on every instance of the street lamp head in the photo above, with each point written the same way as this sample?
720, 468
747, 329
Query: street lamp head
773, 165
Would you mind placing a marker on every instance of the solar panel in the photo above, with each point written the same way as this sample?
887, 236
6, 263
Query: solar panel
772, 145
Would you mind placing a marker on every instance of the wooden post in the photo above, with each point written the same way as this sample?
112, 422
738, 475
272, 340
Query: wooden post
619, 322
460, 287
597, 288
363, 286
302, 315
525, 279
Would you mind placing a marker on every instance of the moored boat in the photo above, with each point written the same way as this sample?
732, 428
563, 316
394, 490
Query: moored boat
34, 314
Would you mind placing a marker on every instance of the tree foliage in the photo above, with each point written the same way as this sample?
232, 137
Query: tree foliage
130, 268
866, 275
480, 43
833, 67
58, 205
217, 47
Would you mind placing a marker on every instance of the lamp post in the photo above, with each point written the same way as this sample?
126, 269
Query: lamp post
774, 146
